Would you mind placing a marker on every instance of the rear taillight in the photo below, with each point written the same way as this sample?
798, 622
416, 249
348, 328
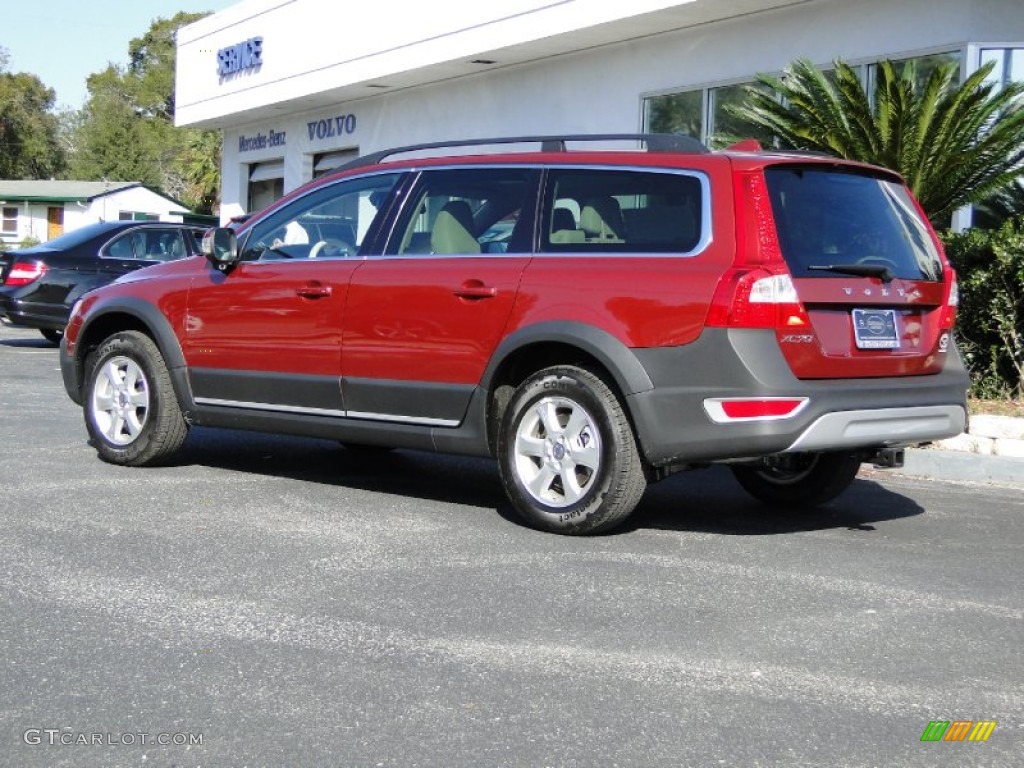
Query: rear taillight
756, 298
25, 272
758, 292
952, 302
724, 410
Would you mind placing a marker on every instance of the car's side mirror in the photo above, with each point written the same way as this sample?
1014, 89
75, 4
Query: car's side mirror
220, 246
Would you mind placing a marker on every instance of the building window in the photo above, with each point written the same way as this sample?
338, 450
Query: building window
924, 66
676, 113
328, 162
703, 112
10, 225
266, 184
726, 129
137, 216
1009, 65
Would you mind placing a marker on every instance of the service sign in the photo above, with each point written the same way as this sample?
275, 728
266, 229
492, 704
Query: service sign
240, 57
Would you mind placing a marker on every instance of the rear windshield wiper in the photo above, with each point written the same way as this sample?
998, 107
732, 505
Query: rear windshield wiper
880, 271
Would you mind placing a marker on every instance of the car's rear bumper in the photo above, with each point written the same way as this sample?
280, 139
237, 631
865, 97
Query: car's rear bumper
841, 414
886, 426
16, 312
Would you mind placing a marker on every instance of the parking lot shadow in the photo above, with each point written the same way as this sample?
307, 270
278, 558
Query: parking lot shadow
29, 343
704, 501
711, 501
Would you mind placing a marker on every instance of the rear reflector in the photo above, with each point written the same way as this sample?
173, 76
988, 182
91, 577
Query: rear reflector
24, 272
725, 410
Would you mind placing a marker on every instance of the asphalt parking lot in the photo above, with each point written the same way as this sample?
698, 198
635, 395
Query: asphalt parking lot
288, 603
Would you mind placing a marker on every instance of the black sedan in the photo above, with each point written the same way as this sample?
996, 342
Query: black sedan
39, 285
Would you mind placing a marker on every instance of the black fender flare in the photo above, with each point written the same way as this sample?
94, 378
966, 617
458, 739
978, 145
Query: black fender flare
159, 329
628, 373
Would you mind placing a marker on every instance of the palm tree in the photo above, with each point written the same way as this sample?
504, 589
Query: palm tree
954, 145
1007, 203
201, 169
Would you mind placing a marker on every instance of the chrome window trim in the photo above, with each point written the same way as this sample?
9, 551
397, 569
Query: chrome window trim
707, 234
705, 215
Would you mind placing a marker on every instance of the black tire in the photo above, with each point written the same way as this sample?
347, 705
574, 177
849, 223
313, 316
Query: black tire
798, 480
52, 335
131, 411
576, 468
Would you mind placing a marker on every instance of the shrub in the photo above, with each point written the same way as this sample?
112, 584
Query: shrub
990, 323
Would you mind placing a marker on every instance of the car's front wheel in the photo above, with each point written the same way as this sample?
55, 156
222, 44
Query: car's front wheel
131, 411
798, 479
567, 454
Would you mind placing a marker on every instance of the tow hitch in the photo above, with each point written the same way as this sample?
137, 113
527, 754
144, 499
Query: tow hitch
887, 458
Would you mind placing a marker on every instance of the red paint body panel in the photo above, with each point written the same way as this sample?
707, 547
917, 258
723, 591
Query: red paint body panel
833, 354
641, 301
406, 319
260, 317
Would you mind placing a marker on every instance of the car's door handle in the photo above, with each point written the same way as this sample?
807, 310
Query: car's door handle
475, 289
314, 291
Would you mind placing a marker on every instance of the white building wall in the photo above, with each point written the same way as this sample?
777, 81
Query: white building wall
134, 199
601, 90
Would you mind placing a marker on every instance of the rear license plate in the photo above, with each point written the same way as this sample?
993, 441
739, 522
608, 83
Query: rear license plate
875, 329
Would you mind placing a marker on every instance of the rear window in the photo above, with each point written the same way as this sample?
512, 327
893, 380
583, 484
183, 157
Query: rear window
828, 217
624, 211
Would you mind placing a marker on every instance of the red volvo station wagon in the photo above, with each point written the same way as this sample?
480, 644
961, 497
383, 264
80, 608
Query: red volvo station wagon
594, 319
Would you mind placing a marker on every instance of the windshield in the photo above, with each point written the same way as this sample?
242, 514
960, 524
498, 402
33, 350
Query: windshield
830, 218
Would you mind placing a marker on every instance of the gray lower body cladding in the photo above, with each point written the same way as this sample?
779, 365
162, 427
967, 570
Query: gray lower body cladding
843, 414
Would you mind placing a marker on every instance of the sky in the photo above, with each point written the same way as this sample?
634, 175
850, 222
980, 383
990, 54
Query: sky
65, 41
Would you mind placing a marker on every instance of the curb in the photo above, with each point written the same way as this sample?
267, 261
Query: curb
990, 452
963, 466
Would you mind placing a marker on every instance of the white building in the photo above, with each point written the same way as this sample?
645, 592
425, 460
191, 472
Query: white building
43, 210
299, 86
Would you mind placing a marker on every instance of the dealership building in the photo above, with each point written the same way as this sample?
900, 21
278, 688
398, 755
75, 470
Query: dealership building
298, 87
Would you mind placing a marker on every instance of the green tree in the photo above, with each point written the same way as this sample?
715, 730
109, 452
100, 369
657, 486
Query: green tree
990, 322
127, 130
201, 169
29, 148
954, 145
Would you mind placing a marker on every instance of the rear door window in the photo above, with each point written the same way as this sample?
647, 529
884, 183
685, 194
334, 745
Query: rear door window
159, 244
466, 211
835, 218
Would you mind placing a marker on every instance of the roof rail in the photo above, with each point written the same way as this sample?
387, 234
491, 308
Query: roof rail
656, 142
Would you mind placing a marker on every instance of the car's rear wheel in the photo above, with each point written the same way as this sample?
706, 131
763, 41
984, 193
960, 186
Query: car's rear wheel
131, 411
798, 479
52, 335
567, 454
